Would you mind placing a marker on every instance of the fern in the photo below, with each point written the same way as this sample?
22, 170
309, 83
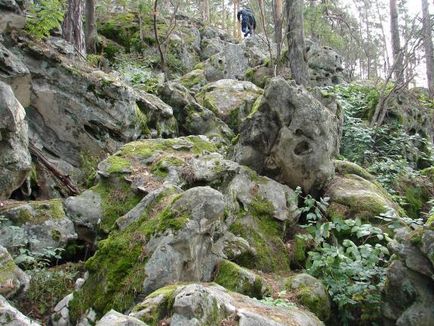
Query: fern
44, 16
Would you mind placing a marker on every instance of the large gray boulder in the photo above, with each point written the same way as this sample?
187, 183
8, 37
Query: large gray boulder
210, 304
114, 318
15, 160
292, 137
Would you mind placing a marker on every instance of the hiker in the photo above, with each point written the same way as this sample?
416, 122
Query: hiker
248, 23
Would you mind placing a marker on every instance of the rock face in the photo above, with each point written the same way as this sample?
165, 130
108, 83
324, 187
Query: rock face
14, 72
73, 110
206, 304
409, 290
292, 137
12, 279
37, 226
15, 160
11, 15
10, 316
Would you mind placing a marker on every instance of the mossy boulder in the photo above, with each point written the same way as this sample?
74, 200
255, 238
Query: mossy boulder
429, 173
13, 280
211, 304
194, 79
193, 118
37, 226
352, 196
230, 100
151, 252
311, 293
238, 279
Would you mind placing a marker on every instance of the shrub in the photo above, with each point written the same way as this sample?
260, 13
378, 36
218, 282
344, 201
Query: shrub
44, 16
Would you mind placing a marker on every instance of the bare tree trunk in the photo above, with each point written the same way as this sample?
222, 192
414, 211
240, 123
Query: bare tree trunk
72, 27
396, 45
224, 15
91, 34
157, 39
383, 35
428, 44
295, 37
277, 15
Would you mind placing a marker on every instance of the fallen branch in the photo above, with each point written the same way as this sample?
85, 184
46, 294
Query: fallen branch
63, 178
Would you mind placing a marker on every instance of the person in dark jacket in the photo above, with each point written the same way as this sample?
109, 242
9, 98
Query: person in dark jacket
248, 23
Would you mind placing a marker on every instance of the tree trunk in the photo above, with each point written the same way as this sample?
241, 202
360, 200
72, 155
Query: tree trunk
91, 34
398, 65
277, 15
224, 15
428, 44
295, 37
72, 27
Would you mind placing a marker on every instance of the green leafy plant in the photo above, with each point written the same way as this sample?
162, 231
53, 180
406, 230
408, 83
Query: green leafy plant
44, 16
280, 301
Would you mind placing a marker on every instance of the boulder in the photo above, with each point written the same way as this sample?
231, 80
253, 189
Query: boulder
210, 304
37, 226
241, 280
15, 160
354, 193
325, 65
231, 100
291, 137
10, 316
13, 280
193, 118
114, 318
311, 293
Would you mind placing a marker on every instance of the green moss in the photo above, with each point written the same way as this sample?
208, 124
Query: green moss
164, 307
430, 222
118, 164
55, 235
116, 200
300, 248
193, 78
40, 211
415, 198
237, 279
307, 297
264, 234
142, 120
161, 168
429, 173
255, 106
346, 167
7, 270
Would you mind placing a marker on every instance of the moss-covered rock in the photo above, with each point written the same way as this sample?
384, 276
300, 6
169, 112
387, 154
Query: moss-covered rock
36, 225
238, 279
12, 279
264, 235
352, 196
416, 192
344, 168
230, 100
311, 293
194, 79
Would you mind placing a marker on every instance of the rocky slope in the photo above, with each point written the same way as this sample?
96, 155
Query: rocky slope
192, 214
